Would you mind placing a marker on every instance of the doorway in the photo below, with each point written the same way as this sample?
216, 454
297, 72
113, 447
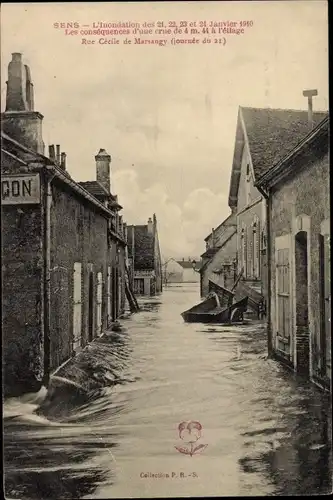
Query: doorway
302, 304
325, 305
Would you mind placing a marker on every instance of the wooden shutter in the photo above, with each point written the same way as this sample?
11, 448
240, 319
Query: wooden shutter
77, 306
99, 303
283, 299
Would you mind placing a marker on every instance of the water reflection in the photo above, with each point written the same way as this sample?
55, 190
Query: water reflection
267, 431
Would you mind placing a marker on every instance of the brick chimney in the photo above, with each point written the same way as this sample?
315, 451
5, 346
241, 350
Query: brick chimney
20, 121
63, 160
150, 226
103, 160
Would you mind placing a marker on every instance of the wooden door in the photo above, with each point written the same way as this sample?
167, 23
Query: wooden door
327, 295
77, 306
283, 320
325, 302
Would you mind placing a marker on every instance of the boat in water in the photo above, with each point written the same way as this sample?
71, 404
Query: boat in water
217, 307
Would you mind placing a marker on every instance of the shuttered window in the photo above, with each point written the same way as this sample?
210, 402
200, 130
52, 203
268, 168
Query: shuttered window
249, 252
283, 322
77, 306
243, 251
99, 303
256, 249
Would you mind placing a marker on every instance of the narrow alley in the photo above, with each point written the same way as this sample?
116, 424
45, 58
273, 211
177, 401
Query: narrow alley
262, 431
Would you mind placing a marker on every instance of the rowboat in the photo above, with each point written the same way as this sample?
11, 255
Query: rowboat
205, 313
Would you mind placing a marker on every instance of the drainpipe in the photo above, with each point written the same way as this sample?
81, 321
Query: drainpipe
47, 278
267, 197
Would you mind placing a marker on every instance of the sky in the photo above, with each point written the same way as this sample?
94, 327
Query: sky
166, 115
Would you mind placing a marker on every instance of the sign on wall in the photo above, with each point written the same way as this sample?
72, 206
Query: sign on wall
20, 189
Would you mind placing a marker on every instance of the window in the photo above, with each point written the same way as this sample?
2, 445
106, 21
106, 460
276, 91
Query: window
247, 185
99, 301
243, 251
256, 249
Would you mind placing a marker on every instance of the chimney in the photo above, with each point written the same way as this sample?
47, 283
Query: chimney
20, 121
103, 160
150, 226
63, 161
213, 237
58, 154
52, 152
309, 94
29, 89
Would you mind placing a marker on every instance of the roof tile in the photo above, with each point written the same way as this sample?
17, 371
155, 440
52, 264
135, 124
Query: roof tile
272, 133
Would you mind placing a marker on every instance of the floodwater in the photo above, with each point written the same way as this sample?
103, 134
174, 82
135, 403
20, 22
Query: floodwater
264, 432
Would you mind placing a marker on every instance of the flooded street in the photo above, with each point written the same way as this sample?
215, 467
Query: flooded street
265, 432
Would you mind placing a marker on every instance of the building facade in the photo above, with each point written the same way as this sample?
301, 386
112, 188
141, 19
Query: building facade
190, 270
172, 271
219, 261
61, 252
145, 258
300, 293
263, 136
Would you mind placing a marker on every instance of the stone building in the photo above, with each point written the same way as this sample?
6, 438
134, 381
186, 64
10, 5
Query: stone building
219, 261
263, 136
297, 189
62, 247
145, 257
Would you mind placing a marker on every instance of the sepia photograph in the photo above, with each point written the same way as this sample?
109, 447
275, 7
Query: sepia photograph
165, 222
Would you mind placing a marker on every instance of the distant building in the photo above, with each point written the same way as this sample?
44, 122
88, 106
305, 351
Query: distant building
62, 247
263, 136
190, 270
145, 257
298, 192
173, 272
219, 261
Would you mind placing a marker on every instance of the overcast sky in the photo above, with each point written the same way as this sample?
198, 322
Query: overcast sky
167, 115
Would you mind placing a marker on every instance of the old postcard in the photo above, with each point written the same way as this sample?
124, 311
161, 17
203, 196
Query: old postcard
165, 209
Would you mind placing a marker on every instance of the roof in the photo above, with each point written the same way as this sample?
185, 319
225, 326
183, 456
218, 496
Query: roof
186, 264
210, 252
96, 189
40, 161
144, 246
271, 134
316, 139
230, 220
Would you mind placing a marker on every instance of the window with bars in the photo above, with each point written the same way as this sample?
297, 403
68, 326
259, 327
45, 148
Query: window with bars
283, 309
